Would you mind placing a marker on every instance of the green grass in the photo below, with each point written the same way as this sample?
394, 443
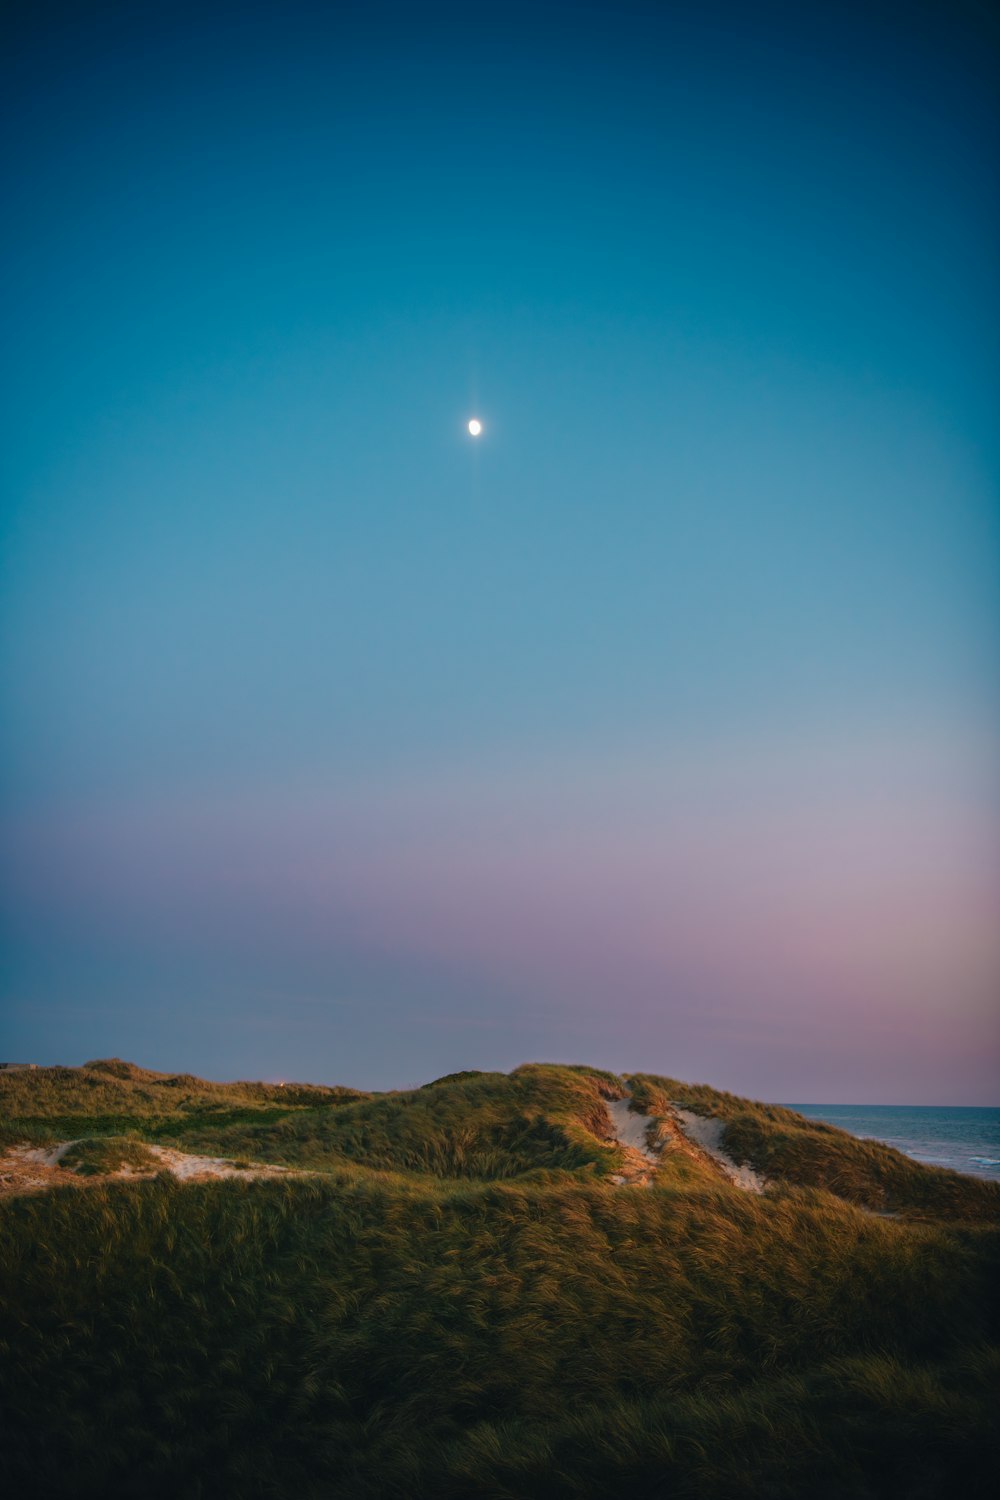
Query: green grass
486, 1126
111, 1097
462, 1305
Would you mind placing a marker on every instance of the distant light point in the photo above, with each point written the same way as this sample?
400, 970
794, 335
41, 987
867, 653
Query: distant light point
475, 427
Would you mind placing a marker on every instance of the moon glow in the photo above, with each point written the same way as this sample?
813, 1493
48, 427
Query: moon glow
475, 427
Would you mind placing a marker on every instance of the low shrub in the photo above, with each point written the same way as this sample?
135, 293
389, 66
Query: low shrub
92, 1158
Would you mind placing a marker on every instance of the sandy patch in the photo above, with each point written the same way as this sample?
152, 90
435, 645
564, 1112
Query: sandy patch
185, 1166
706, 1131
42, 1156
23, 1168
26, 1168
630, 1131
630, 1128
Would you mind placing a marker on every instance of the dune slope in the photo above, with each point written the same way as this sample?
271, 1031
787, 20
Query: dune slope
535, 1284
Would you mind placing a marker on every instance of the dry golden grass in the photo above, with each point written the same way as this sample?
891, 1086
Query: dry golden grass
463, 1305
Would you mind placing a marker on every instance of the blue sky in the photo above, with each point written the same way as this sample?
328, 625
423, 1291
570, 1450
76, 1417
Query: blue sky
658, 726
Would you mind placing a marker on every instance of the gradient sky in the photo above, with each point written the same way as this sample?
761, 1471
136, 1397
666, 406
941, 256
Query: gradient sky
659, 727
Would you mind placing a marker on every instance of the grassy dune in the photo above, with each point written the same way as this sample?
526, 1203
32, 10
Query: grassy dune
485, 1126
110, 1097
789, 1148
457, 1301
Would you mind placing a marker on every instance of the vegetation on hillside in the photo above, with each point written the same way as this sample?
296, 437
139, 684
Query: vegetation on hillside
789, 1148
112, 1097
461, 1303
486, 1125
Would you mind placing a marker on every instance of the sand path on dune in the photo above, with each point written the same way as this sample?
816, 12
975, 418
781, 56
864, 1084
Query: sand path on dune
707, 1131
23, 1168
633, 1131
185, 1166
629, 1130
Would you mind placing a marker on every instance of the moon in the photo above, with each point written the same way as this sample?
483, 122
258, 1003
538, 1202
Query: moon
475, 427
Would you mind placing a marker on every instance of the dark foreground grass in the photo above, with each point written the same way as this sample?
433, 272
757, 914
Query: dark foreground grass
363, 1337
403, 1327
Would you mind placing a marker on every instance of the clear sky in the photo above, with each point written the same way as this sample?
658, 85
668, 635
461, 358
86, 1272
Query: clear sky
658, 727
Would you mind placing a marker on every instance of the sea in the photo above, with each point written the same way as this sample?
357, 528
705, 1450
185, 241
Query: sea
964, 1139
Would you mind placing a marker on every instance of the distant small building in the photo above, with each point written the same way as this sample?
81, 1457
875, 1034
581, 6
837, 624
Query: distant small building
16, 1067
